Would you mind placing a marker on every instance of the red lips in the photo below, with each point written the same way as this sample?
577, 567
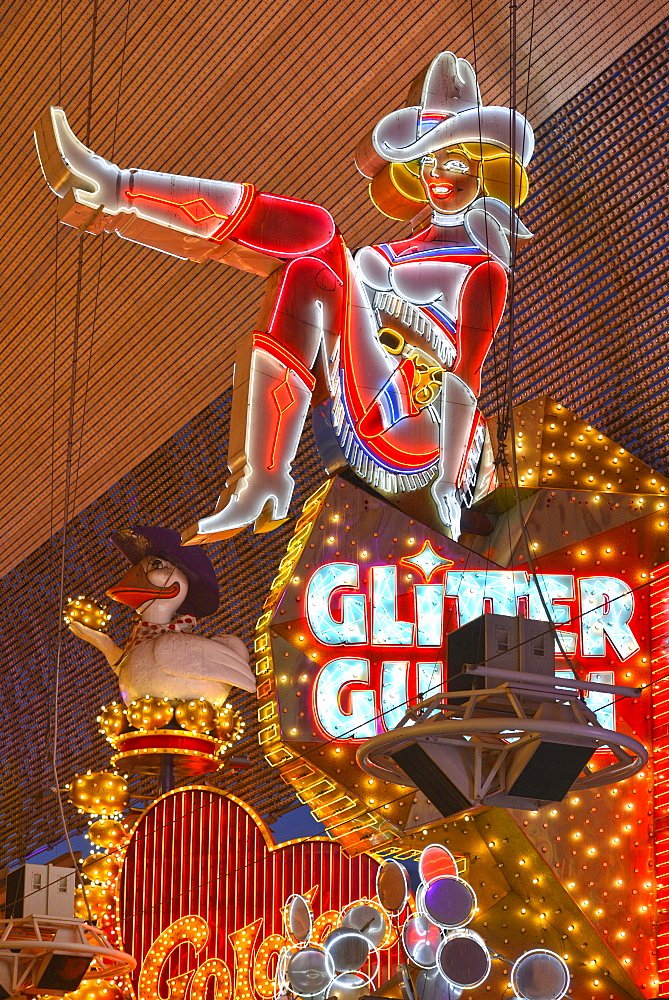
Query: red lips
442, 189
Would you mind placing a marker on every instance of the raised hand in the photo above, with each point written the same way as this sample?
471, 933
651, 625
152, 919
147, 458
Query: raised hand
100, 640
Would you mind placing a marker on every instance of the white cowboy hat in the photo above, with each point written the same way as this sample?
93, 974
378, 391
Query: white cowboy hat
449, 112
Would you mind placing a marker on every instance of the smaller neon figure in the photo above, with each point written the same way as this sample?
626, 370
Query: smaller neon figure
392, 337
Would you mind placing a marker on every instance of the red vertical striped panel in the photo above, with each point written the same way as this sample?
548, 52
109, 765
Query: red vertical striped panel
199, 852
659, 611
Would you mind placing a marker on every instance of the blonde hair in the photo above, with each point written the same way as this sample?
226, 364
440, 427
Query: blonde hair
397, 190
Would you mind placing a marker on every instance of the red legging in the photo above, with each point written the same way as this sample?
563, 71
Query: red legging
480, 309
304, 313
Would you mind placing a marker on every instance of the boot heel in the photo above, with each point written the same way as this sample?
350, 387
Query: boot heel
267, 519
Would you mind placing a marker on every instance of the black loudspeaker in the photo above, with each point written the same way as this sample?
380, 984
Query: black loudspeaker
518, 644
15, 891
546, 770
431, 780
63, 972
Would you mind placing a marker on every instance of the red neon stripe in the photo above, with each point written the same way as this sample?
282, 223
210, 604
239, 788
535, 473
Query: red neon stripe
222, 233
658, 620
229, 221
262, 342
281, 410
407, 370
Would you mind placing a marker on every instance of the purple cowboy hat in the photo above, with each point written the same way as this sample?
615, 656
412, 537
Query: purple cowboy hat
149, 540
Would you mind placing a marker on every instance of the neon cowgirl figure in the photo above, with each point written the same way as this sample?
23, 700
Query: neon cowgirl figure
395, 335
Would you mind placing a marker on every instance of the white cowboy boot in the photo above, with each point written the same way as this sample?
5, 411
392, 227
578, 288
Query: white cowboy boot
276, 404
144, 206
458, 415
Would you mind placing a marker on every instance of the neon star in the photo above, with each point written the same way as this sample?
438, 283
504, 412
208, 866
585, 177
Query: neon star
426, 561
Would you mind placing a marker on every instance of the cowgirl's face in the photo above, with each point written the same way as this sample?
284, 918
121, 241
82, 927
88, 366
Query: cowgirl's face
450, 180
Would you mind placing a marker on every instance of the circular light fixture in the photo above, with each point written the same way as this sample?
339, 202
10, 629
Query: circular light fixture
463, 959
309, 971
393, 886
449, 902
370, 919
421, 939
540, 975
435, 862
298, 918
348, 949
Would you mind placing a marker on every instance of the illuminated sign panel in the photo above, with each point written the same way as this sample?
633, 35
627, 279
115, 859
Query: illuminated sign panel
601, 607
605, 606
369, 636
355, 631
202, 891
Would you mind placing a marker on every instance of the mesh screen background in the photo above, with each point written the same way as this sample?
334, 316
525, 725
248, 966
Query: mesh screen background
591, 330
591, 316
166, 489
